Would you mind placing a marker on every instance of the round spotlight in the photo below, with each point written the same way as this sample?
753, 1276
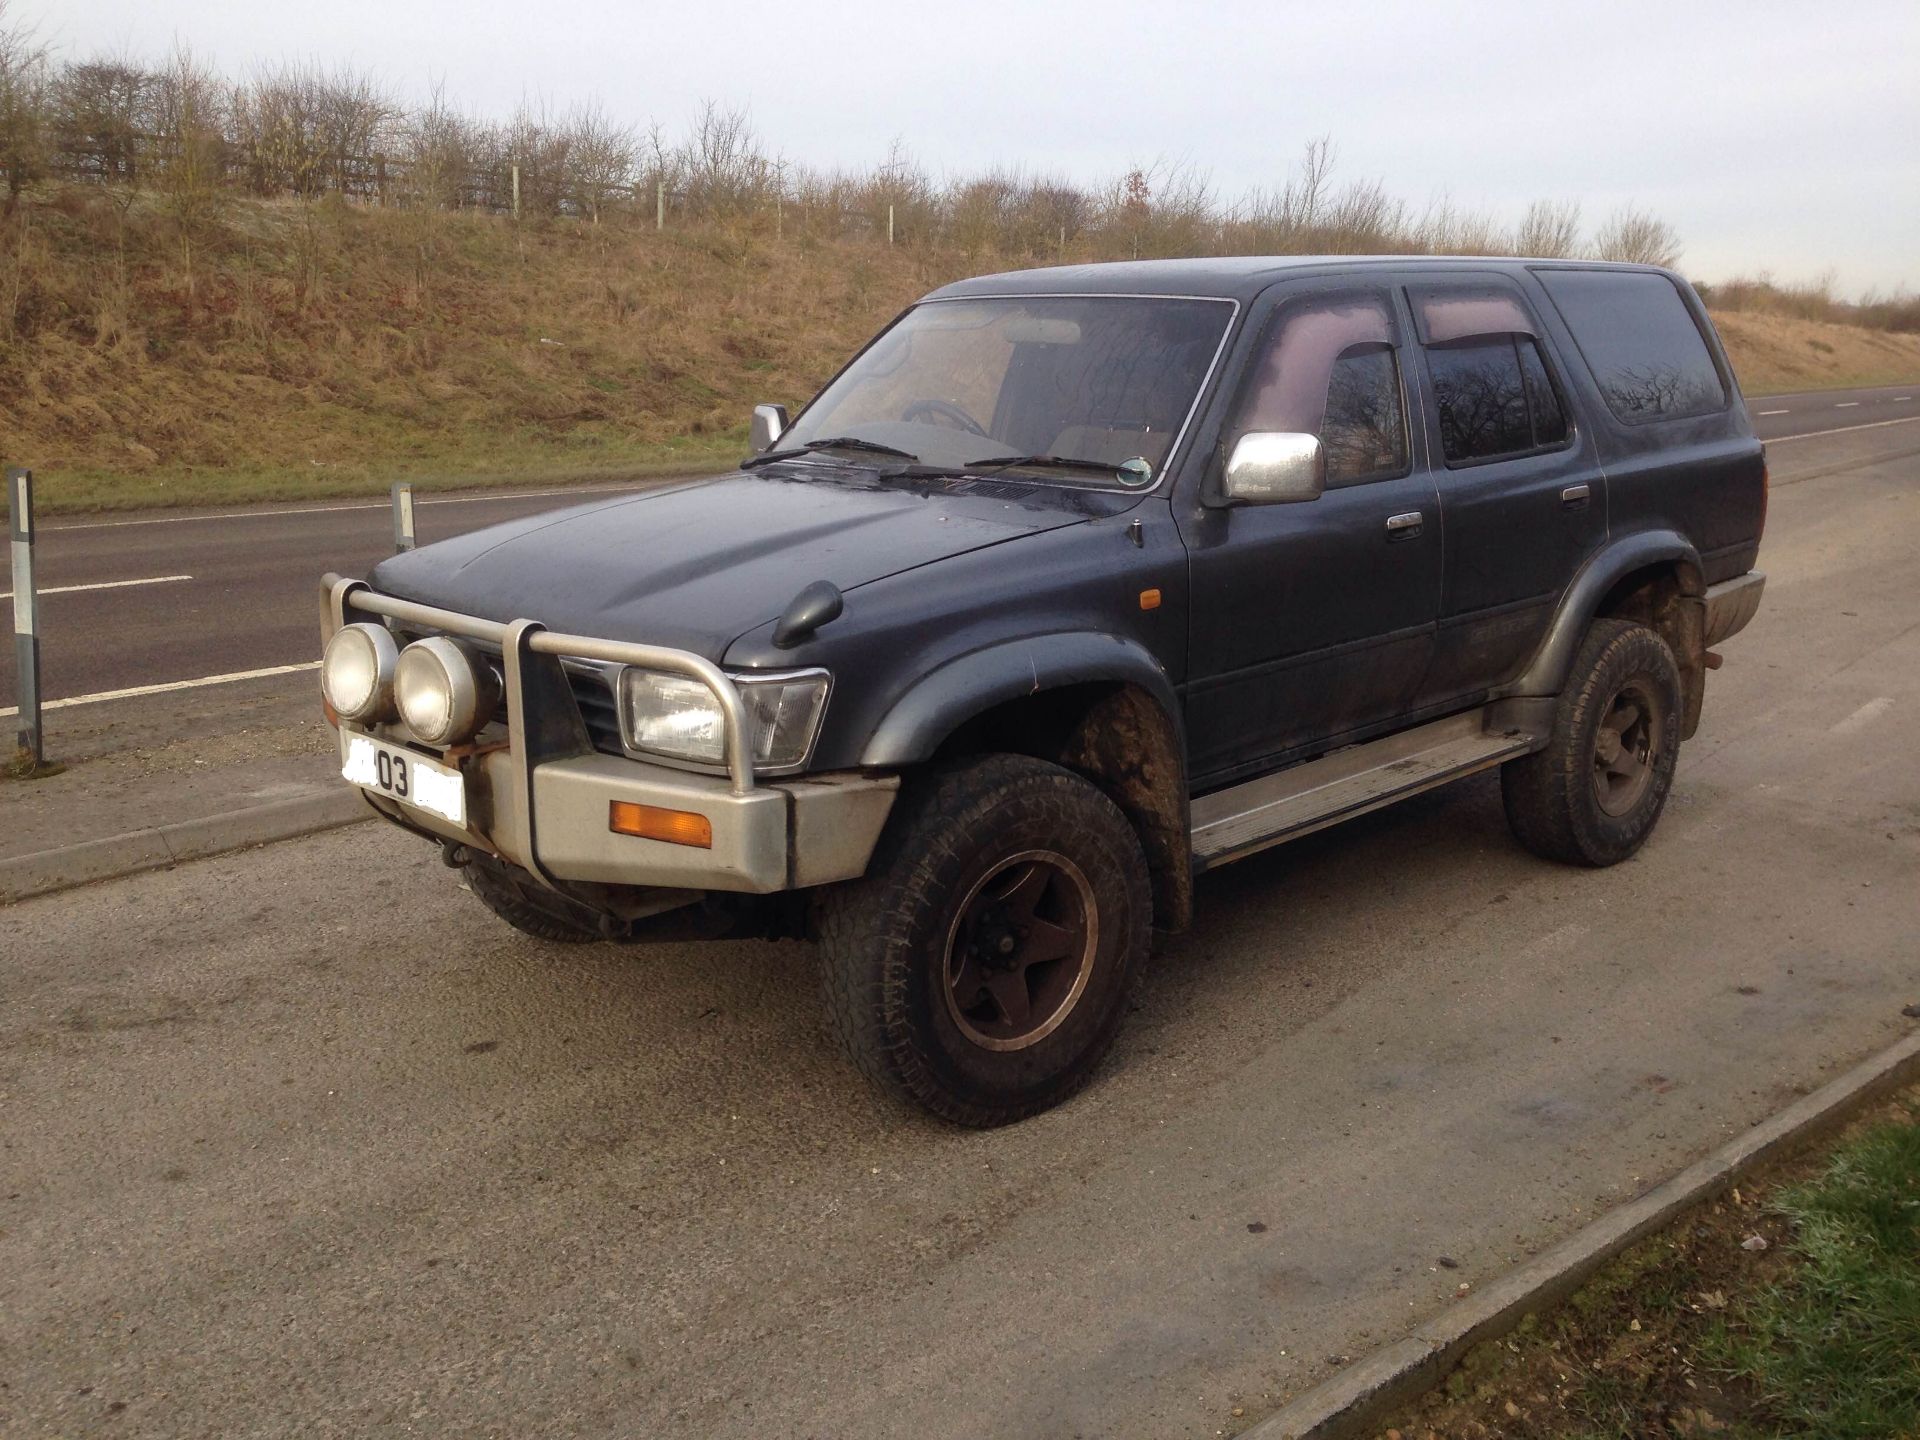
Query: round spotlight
356, 673
445, 693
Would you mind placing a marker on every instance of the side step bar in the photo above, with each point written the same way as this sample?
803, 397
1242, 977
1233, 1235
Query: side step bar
1236, 822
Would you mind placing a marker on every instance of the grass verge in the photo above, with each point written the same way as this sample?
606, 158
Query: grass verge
1791, 1307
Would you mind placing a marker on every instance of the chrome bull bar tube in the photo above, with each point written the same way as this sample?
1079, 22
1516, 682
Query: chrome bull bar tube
341, 595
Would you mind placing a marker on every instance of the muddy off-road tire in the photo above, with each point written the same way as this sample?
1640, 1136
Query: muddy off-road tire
1593, 795
507, 896
982, 966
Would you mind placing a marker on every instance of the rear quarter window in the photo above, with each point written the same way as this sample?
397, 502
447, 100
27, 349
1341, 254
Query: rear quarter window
1640, 341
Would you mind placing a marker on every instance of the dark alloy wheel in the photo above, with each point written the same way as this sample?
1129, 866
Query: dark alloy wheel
1626, 748
1020, 950
1594, 793
982, 966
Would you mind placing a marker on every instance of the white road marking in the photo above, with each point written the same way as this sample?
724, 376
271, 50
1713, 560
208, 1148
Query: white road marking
343, 509
1864, 716
1773, 412
101, 585
1845, 404
1898, 398
139, 690
1842, 430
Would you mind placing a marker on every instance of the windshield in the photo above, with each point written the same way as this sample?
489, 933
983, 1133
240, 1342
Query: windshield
958, 383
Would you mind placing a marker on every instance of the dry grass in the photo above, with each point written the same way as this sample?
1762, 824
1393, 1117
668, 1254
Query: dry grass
1774, 354
300, 348
324, 347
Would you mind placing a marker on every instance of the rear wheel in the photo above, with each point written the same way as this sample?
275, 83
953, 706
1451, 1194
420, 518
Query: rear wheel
982, 967
1593, 795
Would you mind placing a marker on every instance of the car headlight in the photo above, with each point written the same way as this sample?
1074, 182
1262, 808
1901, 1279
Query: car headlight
356, 672
677, 716
445, 693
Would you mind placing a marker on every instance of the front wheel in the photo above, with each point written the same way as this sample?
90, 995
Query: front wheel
527, 906
982, 967
1592, 796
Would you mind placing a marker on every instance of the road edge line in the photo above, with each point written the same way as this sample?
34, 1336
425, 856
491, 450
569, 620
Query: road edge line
1358, 1399
45, 872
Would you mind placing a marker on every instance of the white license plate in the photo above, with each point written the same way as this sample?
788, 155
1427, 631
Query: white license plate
404, 776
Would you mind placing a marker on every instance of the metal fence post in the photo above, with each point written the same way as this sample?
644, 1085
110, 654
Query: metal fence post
26, 622
402, 516
660, 205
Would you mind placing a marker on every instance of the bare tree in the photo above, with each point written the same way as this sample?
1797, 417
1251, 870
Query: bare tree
1550, 230
192, 169
725, 172
1305, 194
24, 95
442, 150
97, 109
1632, 234
600, 160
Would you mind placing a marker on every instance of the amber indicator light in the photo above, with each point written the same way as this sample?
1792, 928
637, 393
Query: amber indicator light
1149, 599
650, 822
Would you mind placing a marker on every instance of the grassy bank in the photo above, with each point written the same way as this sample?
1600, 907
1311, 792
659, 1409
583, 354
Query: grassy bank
1789, 1308
294, 349
325, 349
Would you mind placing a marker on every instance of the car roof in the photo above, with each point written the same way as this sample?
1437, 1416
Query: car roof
1227, 277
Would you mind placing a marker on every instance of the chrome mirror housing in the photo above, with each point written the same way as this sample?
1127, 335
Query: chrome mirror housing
769, 424
1275, 467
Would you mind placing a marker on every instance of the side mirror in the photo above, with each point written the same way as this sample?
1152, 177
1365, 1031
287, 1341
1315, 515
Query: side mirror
769, 424
1274, 467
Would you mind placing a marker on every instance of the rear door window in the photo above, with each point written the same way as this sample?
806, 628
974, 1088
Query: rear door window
1331, 368
1640, 341
1491, 385
1495, 399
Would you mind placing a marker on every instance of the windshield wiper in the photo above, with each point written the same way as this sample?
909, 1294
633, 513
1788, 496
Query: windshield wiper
1040, 462
838, 442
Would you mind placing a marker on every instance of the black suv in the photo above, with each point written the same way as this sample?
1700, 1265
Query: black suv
1072, 584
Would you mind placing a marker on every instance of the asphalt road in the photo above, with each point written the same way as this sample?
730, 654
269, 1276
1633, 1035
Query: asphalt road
302, 1141
249, 601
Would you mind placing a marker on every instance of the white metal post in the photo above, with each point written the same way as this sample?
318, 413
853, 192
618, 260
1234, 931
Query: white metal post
26, 620
402, 516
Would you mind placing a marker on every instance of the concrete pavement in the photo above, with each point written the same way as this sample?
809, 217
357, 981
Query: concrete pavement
301, 1140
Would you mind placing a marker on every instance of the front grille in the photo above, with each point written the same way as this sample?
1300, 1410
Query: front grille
593, 693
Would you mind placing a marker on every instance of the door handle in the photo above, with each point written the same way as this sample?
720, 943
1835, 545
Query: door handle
1575, 497
1405, 525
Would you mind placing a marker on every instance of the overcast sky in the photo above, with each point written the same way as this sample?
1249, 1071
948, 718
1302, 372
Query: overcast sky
1781, 137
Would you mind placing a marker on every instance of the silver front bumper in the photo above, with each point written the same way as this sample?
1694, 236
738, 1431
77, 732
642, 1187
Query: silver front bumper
775, 837
549, 812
